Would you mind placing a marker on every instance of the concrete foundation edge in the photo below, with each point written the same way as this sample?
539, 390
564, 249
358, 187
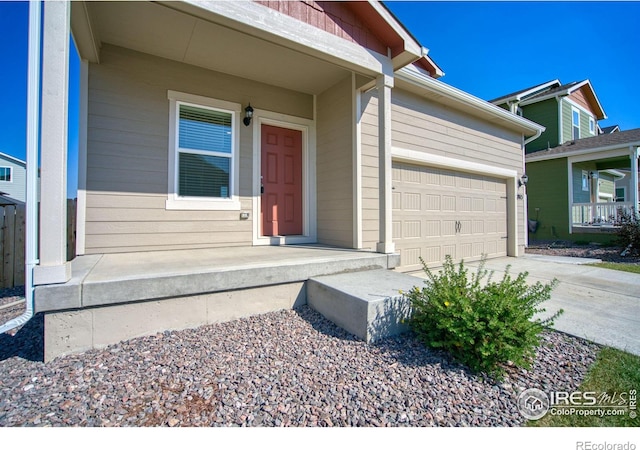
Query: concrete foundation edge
75, 331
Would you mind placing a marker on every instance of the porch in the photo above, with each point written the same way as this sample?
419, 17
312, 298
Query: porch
115, 297
598, 217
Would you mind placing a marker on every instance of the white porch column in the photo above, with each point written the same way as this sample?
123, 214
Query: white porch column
54, 267
634, 176
384, 84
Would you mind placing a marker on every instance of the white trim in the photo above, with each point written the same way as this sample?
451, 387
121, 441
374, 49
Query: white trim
509, 175
83, 117
307, 127
176, 202
13, 158
587, 154
430, 159
560, 122
592, 126
357, 163
518, 97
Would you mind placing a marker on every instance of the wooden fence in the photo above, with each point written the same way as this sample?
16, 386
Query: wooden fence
12, 235
12, 239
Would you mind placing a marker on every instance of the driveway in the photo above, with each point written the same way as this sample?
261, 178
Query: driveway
600, 305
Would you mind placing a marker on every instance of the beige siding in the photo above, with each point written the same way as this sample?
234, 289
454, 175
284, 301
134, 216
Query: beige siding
127, 156
334, 165
429, 127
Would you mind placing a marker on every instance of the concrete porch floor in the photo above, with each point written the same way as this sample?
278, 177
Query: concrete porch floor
100, 280
115, 297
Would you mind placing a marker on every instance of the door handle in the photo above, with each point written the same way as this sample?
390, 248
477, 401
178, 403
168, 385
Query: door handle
262, 188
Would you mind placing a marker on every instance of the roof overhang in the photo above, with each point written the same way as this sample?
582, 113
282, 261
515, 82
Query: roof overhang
520, 95
590, 94
413, 79
614, 150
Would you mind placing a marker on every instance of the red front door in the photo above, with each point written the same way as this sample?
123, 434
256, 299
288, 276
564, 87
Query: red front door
281, 207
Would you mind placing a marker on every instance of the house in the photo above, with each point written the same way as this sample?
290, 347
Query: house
12, 178
573, 168
610, 129
623, 188
577, 190
229, 151
568, 111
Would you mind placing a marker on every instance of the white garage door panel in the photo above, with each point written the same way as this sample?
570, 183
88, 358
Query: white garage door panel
438, 212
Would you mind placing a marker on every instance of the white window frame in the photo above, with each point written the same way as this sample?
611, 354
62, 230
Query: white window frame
10, 174
585, 181
575, 110
177, 202
592, 126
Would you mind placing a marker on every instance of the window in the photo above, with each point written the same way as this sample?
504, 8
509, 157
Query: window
621, 194
575, 122
592, 125
585, 181
203, 153
5, 174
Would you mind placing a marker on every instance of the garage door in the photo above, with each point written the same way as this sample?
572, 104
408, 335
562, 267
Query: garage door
438, 212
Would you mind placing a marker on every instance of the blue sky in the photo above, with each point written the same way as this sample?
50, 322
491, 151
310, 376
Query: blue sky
489, 49
485, 48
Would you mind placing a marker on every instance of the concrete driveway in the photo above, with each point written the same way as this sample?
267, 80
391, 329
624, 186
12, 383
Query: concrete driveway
600, 305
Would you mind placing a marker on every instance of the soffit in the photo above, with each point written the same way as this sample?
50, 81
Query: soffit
165, 32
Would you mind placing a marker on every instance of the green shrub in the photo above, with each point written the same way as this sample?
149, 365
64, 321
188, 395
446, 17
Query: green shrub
483, 325
629, 229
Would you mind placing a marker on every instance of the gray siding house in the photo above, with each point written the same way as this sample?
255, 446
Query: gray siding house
13, 177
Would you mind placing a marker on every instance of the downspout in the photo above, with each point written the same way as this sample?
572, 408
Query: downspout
33, 116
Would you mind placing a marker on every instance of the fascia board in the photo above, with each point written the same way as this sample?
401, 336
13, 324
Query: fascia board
519, 96
84, 33
12, 158
413, 76
622, 147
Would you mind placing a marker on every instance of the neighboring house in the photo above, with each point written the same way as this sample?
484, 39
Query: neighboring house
568, 111
576, 190
208, 125
13, 177
623, 188
610, 129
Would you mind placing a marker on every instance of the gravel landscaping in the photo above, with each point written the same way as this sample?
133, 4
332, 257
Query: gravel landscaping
564, 248
288, 368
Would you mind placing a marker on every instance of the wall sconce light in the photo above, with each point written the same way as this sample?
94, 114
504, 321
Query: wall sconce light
593, 175
523, 180
248, 114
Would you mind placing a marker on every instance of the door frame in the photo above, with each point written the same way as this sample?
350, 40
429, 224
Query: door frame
308, 129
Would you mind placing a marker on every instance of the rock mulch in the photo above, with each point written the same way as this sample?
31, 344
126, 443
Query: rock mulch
11, 304
564, 248
288, 368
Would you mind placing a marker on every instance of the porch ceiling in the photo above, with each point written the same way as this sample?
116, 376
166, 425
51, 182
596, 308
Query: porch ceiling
165, 32
613, 163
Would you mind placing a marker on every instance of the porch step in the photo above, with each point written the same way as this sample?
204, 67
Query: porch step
368, 304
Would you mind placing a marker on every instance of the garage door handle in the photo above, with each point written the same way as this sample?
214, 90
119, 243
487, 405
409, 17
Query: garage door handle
458, 226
